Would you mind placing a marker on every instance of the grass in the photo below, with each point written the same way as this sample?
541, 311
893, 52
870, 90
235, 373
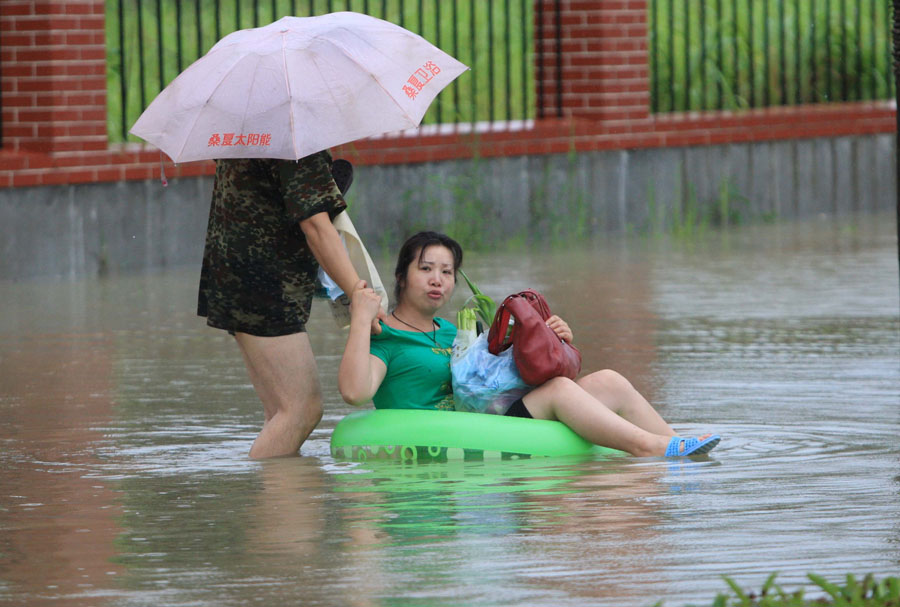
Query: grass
691, 217
149, 42
737, 54
867, 592
558, 209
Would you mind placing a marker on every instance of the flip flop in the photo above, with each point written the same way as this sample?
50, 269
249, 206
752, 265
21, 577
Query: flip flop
342, 173
692, 446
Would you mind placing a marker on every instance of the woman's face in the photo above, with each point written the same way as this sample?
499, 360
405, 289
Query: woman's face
430, 279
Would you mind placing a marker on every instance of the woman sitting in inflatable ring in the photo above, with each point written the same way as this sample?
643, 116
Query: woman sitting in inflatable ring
407, 365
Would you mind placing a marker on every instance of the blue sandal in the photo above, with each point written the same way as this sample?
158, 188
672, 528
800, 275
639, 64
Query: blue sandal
692, 446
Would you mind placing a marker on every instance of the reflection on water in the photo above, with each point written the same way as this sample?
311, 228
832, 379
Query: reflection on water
125, 425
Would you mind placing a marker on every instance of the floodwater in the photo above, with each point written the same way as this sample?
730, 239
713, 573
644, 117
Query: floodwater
125, 424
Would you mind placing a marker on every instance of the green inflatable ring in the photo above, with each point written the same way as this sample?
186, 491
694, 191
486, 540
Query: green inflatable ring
409, 434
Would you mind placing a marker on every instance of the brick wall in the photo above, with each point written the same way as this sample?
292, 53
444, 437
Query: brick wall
52, 62
603, 63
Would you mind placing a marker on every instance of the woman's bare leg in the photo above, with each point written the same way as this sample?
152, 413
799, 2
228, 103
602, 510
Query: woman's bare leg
617, 393
564, 400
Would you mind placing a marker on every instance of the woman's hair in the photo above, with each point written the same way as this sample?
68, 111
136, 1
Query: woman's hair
414, 248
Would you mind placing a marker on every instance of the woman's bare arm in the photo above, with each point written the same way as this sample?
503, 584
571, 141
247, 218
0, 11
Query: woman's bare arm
361, 373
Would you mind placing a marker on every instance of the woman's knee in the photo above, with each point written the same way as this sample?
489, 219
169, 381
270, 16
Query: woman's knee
605, 379
558, 388
552, 388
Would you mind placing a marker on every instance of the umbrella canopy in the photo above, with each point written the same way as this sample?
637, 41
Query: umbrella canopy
297, 86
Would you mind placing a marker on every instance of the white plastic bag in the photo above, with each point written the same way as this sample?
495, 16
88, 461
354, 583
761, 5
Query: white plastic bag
483, 382
464, 339
332, 290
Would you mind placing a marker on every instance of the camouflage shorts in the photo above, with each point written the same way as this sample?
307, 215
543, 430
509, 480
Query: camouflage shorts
259, 275
249, 297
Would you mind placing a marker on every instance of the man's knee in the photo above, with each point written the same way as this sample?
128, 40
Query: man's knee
310, 413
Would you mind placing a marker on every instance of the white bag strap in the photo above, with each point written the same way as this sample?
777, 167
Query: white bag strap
359, 256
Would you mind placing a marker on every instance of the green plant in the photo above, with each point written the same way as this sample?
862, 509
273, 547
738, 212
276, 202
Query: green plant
573, 221
691, 216
657, 225
727, 210
469, 221
485, 308
763, 53
690, 220
854, 593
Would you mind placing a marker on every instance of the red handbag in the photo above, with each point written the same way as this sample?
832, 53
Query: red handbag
538, 351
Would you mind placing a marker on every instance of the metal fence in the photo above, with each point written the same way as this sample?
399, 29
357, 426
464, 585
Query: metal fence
149, 42
704, 54
734, 54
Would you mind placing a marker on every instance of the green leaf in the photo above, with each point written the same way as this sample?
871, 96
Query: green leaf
738, 591
892, 588
769, 583
721, 600
868, 585
472, 285
832, 589
852, 590
484, 307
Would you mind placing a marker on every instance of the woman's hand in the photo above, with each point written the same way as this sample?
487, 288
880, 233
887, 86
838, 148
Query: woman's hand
561, 328
365, 304
360, 372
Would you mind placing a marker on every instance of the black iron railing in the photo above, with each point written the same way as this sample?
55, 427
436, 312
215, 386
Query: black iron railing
733, 54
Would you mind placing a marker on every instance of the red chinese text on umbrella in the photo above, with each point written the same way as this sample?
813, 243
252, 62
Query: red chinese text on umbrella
229, 139
420, 78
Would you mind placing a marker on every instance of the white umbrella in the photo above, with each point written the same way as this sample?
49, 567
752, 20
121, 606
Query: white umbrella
297, 86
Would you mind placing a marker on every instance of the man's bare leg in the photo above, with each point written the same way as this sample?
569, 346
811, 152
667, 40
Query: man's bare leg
283, 371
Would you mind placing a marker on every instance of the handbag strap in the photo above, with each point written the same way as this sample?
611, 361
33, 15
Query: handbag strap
497, 336
497, 341
537, 302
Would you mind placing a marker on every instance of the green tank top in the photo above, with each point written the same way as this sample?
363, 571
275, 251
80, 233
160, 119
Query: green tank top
418, 370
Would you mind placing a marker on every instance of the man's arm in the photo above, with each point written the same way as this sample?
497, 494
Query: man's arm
330, 252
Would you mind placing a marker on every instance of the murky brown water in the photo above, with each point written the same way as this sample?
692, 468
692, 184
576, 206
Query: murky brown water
125, 423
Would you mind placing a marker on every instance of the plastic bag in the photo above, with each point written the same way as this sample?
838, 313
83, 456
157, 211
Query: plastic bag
331, 288
464, 339
483, 382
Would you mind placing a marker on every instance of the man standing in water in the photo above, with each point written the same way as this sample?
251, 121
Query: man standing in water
269, 230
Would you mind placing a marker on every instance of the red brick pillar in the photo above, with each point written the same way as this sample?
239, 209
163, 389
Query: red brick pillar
592, 59
53, 75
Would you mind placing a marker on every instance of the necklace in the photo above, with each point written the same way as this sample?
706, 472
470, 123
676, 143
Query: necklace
433, 335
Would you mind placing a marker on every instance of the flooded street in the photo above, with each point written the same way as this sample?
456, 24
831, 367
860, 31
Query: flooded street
125, 424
